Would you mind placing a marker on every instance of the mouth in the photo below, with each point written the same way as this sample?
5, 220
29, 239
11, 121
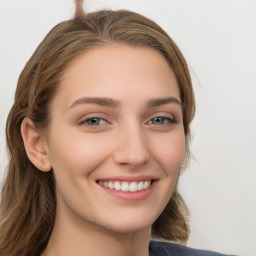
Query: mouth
126, 186
131, 189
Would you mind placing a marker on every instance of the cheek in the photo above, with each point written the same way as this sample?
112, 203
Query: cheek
171, 153
73, 152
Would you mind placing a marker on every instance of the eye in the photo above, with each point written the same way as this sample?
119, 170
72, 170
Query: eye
160, 120
94, 121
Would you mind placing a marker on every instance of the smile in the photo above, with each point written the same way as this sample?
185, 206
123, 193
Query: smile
126, 186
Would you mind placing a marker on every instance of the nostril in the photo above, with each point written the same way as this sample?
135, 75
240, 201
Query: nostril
130, 160
132, 151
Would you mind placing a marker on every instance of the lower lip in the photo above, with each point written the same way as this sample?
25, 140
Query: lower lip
131, 196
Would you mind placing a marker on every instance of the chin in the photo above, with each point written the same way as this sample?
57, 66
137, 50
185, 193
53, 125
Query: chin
130, 224
128, 229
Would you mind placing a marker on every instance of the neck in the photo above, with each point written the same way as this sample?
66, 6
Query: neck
90, 239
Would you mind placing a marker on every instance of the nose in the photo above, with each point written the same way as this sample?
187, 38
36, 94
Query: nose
132, 149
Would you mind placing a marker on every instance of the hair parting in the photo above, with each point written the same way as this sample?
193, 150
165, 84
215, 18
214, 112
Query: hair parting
79, 9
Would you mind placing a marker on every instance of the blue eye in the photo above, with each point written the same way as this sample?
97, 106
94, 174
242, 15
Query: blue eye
94, 121
161, 120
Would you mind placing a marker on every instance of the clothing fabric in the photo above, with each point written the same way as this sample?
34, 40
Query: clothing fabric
157, 248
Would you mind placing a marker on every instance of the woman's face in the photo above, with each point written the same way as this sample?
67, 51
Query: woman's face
116, 139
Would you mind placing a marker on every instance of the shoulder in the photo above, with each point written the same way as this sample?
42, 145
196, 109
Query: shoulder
157, 248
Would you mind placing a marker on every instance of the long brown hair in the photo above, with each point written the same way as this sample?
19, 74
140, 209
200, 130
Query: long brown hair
28, 201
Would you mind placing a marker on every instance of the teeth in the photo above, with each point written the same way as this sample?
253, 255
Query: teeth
133, 186
110, 185
126, 186
117, 185
140, 185
146, 184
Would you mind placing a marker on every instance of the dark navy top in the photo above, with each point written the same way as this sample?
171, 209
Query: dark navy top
157, 248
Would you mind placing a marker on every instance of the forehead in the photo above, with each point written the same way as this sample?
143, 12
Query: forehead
119, 71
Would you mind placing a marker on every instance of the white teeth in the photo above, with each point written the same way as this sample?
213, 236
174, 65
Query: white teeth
126, 186
133, 186
146, 184
110, 185
140, 185
117, 185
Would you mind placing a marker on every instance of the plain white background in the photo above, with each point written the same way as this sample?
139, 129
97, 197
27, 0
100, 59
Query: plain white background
218, 39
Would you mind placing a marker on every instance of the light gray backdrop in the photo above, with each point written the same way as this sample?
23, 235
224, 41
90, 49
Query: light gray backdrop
218, 39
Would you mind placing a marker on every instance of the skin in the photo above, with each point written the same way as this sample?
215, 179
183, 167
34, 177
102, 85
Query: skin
128, 141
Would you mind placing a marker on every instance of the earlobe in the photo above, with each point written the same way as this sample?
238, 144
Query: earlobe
35, 145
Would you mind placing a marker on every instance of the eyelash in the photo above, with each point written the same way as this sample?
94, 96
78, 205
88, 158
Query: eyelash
167, 121
91, 118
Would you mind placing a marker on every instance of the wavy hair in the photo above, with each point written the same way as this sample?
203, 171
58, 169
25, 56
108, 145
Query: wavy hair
28, 201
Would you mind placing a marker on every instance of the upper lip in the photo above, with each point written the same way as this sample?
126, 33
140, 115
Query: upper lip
129, 178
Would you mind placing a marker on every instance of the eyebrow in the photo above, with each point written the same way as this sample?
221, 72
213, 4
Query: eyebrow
162, 101
112, 103
107, 102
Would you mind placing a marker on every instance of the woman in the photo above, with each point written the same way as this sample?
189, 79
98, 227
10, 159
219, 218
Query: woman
97, 137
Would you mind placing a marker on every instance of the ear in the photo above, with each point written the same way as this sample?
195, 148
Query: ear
35, 145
